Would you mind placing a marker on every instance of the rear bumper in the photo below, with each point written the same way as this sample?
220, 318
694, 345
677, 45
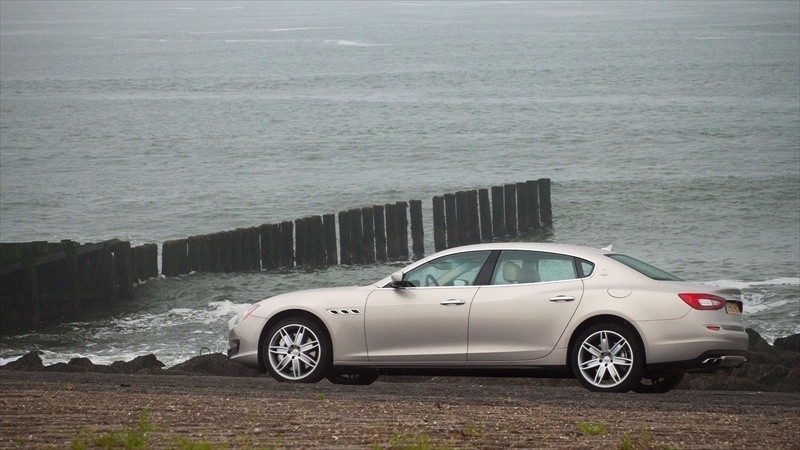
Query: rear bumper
707, 362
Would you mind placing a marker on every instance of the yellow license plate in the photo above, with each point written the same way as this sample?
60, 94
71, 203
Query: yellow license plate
732, 308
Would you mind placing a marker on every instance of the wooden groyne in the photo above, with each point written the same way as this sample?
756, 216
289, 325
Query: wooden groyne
40, 281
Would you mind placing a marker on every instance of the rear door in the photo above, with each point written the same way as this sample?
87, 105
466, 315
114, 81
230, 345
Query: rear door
522, 314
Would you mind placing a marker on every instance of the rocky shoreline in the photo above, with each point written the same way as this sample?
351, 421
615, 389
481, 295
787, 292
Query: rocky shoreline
769, 368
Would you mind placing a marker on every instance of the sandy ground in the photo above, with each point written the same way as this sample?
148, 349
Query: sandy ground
57, 410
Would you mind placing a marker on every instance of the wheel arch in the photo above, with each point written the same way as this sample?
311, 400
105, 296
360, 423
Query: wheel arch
595, 320
285, 315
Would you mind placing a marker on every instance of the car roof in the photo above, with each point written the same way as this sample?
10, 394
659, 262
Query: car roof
568, 249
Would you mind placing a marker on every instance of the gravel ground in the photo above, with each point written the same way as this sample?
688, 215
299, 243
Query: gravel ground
63, 410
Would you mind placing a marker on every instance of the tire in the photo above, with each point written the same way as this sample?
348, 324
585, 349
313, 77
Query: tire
297, 350
658, 385
607, 358
353, 377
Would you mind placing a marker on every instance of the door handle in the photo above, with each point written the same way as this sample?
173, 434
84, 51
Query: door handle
562, 298
452, 301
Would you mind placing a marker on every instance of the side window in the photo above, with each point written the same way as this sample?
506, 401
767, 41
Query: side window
520, 266
460, 269
586, 268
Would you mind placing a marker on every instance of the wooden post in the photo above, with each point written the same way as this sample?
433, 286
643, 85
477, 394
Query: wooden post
318, 241
545, 208
473, 225
392, 245
402, 230
345, 247
329, 224
417, 232
122, 263
510, 194
237, 253
498, 212
356, 236
214, 249
379, 220
439, 227
287, 244
106, 278
462, 218
270, 246
168, 256
72, 275
451, 220
30, 286
368, 235
522, 208
151, 262
300, 241
486, 215
533, 204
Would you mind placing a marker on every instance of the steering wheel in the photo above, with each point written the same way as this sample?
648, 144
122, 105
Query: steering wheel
431, 281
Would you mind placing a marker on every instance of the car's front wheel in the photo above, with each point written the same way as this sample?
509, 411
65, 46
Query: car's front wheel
607, 358
297, 349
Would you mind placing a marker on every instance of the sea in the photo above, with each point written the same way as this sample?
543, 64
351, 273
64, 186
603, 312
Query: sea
669, 129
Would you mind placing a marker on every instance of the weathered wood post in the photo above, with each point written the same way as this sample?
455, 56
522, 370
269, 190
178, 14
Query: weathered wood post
122, 263
379, 221
345, 246
368, 235
287, 244
498, 212
356, 236
319, 240
402, 230
439, 225
169, 258
452, 220
462, 218
545, 208
270, 246
533, 203
473, 222
523, 222
106, 278
417, 232
510, 200
152, 260
392, 245
237, 258
30, 286
300, 241
72, 276
329, 224
486, 215
253, 249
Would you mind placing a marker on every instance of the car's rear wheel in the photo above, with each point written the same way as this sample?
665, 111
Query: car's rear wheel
353, 377
297, 349
658, 385
607, 358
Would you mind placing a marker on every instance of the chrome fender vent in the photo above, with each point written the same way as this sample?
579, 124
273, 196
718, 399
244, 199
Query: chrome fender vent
344, 312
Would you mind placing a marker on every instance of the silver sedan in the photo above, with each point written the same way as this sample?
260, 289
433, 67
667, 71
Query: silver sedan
612, 321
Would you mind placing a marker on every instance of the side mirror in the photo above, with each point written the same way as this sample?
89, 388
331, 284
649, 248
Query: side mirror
397, 280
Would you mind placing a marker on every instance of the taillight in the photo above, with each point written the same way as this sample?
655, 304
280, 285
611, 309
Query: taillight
703, 301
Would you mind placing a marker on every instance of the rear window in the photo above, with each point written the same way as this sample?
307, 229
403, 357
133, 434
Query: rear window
644, 268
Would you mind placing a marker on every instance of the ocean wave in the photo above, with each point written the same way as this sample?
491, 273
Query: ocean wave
278, 30
348, 43
784, 281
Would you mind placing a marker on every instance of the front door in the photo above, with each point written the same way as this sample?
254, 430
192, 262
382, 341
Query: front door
428, 320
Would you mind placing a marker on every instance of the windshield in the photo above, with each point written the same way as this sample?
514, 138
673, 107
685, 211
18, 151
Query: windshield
644, 268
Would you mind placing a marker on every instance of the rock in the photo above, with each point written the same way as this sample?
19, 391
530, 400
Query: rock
31, 361
757, 343
791, 343
214, 364
139, 364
